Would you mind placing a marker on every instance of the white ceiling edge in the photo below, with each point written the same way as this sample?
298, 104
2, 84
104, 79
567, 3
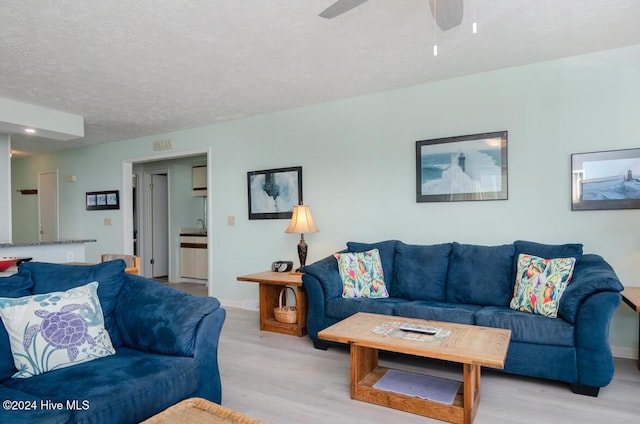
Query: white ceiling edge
16, 116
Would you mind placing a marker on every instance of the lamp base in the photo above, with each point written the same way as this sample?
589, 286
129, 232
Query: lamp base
302, 253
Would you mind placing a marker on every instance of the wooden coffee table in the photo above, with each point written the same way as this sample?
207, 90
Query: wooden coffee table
472, 346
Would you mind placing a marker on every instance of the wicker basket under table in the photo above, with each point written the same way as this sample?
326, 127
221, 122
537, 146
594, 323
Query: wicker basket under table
198, 410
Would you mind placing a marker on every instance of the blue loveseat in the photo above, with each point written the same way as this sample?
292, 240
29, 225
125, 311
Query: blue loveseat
166, 345
473, 284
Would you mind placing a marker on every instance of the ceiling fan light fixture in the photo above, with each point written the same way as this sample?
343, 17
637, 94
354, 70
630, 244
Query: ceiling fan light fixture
435, 50
474, 28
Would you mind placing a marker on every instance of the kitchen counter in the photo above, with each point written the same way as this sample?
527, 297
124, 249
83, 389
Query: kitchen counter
58, 251
45, 243
193, 232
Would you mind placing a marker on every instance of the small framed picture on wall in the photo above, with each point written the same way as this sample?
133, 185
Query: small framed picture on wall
101, 200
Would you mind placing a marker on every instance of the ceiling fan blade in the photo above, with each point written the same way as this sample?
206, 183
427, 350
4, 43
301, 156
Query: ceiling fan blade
447, 13
340, 7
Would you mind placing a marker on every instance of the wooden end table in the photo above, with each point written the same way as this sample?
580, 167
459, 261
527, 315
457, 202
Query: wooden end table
631, 296
270, 285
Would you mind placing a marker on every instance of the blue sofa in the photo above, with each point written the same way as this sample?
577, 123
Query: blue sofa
473, 284
166, 344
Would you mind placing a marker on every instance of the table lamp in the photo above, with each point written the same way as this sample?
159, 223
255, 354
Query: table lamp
301, 222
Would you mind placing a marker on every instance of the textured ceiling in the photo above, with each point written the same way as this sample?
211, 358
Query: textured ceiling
148, 67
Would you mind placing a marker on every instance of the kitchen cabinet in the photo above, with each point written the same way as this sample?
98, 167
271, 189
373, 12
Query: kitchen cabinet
193, 257
199, 180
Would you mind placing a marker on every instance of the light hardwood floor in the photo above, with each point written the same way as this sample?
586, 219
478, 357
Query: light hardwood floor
283, 379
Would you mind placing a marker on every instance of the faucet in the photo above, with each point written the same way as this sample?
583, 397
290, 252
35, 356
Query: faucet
201, 221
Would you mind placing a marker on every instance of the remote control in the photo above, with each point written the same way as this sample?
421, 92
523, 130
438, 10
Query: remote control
419, 328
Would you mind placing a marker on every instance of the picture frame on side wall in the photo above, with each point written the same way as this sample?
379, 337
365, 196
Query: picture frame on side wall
605, 180
462, 168
274, 192
101, 200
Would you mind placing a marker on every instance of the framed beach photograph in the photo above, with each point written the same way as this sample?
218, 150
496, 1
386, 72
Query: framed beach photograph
462, 168
605, 180
274, 192
101, 200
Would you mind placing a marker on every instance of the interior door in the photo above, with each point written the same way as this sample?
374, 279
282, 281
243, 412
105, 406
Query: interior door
48, 206
159, 225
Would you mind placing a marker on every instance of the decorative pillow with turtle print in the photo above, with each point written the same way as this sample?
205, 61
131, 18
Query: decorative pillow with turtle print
55, 330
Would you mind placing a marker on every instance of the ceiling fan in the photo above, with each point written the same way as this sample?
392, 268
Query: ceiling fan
447, 13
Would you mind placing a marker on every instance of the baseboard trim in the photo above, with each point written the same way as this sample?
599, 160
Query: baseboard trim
624, 352
251, 305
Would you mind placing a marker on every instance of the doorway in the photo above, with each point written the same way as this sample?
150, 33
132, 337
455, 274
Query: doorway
184, 208
48, 206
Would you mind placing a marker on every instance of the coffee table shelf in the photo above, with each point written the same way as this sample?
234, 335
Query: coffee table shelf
472, 346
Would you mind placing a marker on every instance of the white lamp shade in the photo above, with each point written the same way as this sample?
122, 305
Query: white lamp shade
301, 221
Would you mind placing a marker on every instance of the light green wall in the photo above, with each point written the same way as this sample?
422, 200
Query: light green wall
358, 159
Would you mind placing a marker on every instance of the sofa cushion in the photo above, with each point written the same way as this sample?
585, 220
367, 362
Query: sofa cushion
49, 277
55, 330
127, 387
527, 328
362, 274
540, 284
26, 409
480, 275
438, 311
387, 250
16, 285
421, 271
341, 308
569, 250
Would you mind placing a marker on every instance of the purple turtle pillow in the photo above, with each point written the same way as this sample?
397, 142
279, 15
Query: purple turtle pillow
55, 330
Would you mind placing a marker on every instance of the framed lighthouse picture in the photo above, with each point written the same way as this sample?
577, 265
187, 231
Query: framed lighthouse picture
469, 167
274, 192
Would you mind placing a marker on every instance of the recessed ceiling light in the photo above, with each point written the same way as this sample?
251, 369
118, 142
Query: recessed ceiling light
29, 130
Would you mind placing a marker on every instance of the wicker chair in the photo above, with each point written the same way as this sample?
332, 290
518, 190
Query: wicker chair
133, 262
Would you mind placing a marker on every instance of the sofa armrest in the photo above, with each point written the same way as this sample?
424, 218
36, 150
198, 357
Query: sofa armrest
592, 274
206, 353
321, 280
326, 272
159, 319
593, 354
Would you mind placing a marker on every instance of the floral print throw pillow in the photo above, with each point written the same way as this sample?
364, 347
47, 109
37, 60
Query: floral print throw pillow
540, 283
55, 330
362, 274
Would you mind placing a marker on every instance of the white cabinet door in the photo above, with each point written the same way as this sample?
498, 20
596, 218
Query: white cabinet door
193, 258
201, 265
199, 180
